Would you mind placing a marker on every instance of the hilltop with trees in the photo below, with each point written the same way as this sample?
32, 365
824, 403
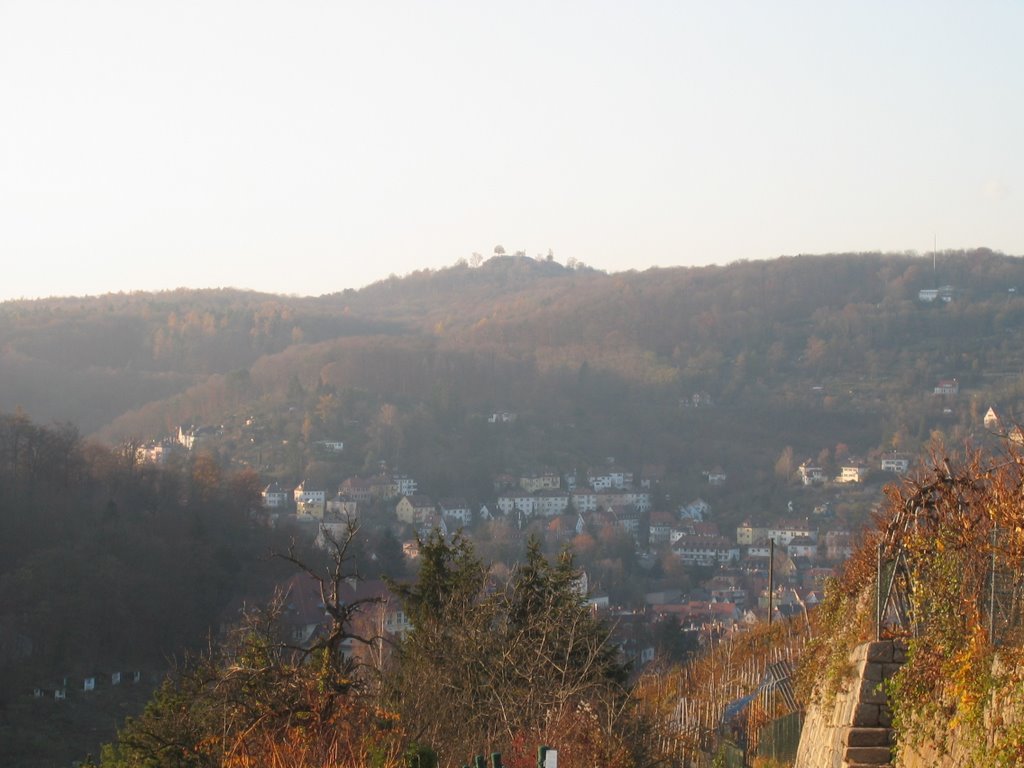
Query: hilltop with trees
807, 352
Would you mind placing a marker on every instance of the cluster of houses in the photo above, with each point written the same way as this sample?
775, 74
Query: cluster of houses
186, 438
701, 543
571, 505
543, 495
559, 507
853, 470
609, 495
87, 684
739, 592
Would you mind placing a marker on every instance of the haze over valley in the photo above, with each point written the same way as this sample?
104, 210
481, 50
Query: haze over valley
581, 384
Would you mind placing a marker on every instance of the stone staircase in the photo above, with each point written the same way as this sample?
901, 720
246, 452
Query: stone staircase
864, 746
868, 740
855, 731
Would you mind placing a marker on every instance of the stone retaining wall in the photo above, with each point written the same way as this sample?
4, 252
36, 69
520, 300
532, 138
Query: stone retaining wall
853, 730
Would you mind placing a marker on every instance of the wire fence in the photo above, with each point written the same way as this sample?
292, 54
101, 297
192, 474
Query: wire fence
1001, 603
736, 713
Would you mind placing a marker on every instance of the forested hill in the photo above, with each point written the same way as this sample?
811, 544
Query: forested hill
843, 334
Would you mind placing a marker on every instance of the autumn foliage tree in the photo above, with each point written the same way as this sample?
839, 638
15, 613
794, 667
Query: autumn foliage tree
255, 701
258, 699
507, 665
943, 537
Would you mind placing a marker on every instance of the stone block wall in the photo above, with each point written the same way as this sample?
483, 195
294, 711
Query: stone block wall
854, 729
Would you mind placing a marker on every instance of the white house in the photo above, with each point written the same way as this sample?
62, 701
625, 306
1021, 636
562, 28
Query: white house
717, 477
456, 511
896, 462
303, 493
550, 503
310, 501
585, 500
274, 496
703, 550
810, 474
785, 532
511, 502
660, 527
186, 436
852, 472
991, 420
946, 294
405, 485
641, 500
189, 435
613, 477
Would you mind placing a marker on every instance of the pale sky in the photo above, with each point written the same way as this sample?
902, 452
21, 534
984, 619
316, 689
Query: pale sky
306, 147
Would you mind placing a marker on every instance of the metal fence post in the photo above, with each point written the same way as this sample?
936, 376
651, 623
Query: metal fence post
878, 596
992, 591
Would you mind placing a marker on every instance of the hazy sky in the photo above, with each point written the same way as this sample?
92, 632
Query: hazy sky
305, 147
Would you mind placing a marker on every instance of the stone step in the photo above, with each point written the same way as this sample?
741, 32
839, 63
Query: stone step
867, 756
867, 737
866, 716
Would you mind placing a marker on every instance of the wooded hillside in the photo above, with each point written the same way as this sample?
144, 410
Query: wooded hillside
838, 347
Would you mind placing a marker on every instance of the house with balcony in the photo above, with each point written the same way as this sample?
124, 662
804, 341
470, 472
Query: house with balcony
898, 463
852, 472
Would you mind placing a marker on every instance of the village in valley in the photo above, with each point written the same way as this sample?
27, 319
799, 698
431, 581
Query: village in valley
702, 579
727, 587
672, 574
